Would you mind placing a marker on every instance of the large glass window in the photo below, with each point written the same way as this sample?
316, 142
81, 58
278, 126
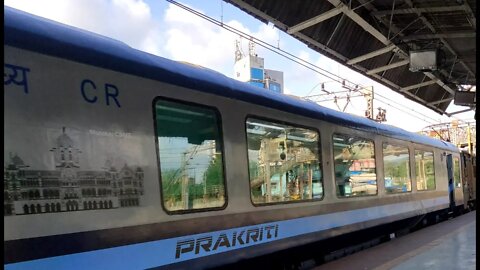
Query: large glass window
425, 170
396, 168
456, 172
354, 161
284, 162
190, 152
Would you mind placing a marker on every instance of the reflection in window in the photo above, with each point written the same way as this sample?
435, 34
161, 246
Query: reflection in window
456, 172
190, 151
425, 171
284, 163
396, 168
354, 160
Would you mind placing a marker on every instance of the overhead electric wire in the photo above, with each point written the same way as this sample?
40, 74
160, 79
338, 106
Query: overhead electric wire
385, 102
293, 58
416, 116
263, 44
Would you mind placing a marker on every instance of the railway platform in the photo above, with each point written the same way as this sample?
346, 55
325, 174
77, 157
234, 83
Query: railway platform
446, 245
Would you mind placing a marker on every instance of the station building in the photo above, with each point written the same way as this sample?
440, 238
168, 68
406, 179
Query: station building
250, 68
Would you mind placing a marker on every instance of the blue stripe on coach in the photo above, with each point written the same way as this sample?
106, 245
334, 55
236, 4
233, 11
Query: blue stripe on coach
162, 252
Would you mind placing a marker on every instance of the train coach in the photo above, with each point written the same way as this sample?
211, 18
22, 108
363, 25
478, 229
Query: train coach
118, 159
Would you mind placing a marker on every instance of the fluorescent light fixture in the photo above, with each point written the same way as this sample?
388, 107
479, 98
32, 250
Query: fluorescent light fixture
297, 138
175, 119
265, 126
181, 111
341, 145
256, 131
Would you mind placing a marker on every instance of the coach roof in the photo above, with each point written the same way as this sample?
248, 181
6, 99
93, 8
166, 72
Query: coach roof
44, 36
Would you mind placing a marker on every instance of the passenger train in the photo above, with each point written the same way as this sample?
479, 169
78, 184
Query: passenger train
119, 159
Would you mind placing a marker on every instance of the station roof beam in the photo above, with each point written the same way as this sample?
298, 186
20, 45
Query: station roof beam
432, 28
387, 67
371, 54
415, 10
376, 37
441, 101
418, 85
440, 35
360, 21
318, 19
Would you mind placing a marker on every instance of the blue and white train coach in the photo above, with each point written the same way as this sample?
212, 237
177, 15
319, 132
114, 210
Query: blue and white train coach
118, 159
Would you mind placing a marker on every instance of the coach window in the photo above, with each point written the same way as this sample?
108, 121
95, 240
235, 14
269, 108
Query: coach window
396, 168
456, 172
354, 161
190, 153
424, 170
284, 162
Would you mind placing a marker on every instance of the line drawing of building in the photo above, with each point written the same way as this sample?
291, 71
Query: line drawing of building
67, 187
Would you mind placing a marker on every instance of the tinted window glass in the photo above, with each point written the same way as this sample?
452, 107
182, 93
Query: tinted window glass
354, 161
190, 151
456, 172
425, 170
284, 162
396, 168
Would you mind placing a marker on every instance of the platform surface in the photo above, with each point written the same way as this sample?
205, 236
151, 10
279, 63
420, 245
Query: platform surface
449, 245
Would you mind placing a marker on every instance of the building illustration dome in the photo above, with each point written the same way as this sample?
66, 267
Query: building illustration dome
64, 140
17, 161
126, 171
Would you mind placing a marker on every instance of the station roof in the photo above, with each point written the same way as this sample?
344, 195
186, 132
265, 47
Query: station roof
375, 38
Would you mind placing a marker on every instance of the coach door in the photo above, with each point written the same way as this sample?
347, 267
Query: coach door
451, 188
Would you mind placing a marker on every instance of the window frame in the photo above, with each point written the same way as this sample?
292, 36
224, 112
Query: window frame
333, 165
409, 165
218, 116
320, 163
434, 168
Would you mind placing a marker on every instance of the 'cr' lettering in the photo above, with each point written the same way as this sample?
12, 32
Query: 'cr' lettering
89, 90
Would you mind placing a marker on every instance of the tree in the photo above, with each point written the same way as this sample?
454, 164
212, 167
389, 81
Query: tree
171, 186
214, 172
253, 169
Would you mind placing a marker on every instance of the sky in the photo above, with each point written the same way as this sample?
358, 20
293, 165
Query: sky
161, 28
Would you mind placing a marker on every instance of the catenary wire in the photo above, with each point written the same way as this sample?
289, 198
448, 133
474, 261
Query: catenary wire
294, 58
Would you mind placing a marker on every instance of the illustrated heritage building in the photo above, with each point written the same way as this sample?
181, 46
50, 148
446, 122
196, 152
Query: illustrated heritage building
67, 188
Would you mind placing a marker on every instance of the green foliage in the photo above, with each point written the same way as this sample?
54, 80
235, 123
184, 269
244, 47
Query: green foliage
430, 172
253, 169
456, 171
430, 182
396, 171
214, 173
196, 191
171, 185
